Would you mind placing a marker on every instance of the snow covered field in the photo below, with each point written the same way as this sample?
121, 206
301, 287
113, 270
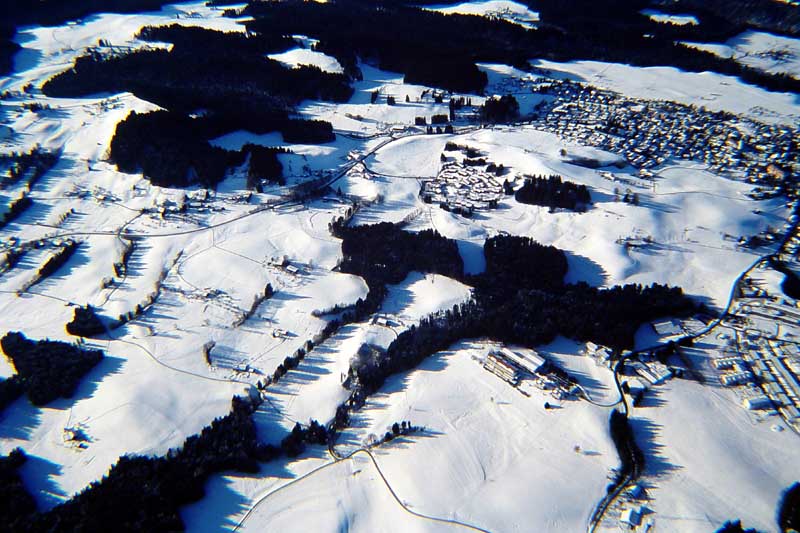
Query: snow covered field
679, 20
487, 455
501, 9
713, 91
760, 50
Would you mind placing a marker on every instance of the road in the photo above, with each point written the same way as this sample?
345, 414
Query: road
337, 459
609, 498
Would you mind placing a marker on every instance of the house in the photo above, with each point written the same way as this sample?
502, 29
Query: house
501, 368
756, 402
736, 378
529, 361
724, 363
630, 517
636, 491
654, 372
667, 328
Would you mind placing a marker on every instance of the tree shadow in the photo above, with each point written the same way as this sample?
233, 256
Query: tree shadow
78, 259
646, 433
39, 476
218, 509
108, 365
222, 506
19, 419
584, 269
651, 398
472, 256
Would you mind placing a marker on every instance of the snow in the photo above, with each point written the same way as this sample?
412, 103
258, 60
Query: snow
46, 51
487, 455
297, 57
699, 471
360, 116
501, 9
679, 20
713, 91
776, 54
692, 251
484, 441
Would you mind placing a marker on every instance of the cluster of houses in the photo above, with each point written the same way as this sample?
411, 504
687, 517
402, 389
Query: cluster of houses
462, 189
764, 363
648, 133
768, 373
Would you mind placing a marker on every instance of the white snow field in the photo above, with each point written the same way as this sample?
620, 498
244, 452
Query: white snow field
678, 20
700, 471
303, 56
500, 9
713, 91
760, 50
487, 455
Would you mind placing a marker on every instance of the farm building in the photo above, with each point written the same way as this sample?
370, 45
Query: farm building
498, 366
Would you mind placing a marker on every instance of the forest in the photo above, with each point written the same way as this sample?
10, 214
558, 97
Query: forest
789, 509
427, 47
15, 501
521, 297
227, 74
46, 369
232, 81
441, 50
144, 493
499, 109
86, 323
173, 150
384, 254
553, 192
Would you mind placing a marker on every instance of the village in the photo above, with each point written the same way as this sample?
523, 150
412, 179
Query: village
761, 359
462, 189
650, 132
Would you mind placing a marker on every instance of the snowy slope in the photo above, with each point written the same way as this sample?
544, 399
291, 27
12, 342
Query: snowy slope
488, 455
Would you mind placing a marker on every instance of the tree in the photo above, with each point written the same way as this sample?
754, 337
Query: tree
503, 109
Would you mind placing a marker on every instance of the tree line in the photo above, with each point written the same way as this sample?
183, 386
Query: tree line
145, 493
227, 76
521, 297
442, 50
173, 150
29, 166
54, 263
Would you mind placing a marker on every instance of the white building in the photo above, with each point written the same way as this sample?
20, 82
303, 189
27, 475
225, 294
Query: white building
756, 402
498, 366
529, 361
724, 363
630, 517
736, 378
667, 328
